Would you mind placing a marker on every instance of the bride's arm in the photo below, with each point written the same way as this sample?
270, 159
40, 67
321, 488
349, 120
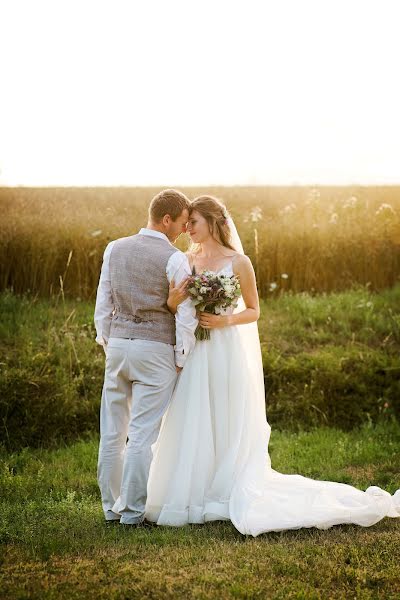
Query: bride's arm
244, 270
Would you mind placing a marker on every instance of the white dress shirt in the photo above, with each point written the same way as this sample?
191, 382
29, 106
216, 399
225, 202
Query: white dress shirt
185, 318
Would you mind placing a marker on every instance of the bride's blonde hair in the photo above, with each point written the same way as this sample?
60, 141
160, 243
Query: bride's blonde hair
216, 215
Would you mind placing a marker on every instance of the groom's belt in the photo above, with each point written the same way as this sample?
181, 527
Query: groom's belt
133, 318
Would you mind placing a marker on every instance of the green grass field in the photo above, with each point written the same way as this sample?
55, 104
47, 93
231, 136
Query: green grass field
330, 359
55, 544
53, 540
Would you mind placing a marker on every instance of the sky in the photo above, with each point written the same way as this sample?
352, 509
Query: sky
213, 92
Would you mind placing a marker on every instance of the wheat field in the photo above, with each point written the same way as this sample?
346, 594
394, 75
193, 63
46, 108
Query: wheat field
315, 239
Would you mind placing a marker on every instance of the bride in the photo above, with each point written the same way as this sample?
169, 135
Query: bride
211, 461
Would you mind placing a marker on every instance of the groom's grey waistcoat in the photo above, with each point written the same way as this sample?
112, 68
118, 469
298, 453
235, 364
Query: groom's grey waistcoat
139, 288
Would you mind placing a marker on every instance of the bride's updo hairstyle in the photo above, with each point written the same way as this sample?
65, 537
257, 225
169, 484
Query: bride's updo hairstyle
216, 216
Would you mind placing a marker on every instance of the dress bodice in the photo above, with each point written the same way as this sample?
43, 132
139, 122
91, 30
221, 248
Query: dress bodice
227, 269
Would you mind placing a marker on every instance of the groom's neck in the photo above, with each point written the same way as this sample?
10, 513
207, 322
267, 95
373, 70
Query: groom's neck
155, 227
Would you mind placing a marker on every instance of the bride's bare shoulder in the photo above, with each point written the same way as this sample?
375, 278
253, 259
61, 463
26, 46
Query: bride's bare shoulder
241, 259
241, 262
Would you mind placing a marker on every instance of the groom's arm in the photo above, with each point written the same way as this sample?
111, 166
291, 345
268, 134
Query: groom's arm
185, 317
104, 302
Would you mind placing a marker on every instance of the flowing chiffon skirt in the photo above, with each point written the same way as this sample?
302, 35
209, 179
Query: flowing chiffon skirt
211, 461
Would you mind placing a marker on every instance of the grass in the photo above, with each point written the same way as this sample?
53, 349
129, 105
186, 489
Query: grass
55, 545
323, 239
331, 359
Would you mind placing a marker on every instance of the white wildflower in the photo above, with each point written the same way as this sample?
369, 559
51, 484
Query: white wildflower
334, 218
288, 209
256, 214
350, 202
385, 209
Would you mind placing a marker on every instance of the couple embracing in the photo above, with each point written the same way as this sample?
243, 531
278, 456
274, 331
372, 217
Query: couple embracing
183, 429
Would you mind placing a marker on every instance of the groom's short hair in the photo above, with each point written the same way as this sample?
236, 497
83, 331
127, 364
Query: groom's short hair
168, 202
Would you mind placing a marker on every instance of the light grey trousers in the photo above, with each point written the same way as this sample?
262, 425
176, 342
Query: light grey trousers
140, 376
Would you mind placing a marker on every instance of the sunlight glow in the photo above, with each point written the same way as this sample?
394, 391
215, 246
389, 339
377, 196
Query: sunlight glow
199, 93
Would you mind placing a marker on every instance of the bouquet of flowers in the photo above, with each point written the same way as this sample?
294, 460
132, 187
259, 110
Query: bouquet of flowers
212, 293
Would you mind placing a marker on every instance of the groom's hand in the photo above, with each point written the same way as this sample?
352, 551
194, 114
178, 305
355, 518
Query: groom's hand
177, 294
178, 369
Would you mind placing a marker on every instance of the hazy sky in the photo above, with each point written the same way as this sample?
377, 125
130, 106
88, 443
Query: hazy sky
177, 92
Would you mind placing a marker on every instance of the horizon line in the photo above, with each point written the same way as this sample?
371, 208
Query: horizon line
201, 185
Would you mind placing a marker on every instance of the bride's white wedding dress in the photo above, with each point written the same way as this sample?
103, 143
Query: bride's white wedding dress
211, 461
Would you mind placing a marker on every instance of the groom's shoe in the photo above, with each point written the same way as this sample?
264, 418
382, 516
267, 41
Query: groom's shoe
111, 522
141, 524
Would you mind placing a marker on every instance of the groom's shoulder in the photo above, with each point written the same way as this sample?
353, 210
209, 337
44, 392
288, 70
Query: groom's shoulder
178, 255
117, 241
178, 252
125, 238
147, 244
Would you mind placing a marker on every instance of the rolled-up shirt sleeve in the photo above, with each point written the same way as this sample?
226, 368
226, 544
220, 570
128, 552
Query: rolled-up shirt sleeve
186, 321
104, 303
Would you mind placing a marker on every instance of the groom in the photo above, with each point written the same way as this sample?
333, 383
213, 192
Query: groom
145, 346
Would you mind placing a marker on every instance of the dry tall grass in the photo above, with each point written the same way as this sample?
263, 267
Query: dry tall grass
299, 238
